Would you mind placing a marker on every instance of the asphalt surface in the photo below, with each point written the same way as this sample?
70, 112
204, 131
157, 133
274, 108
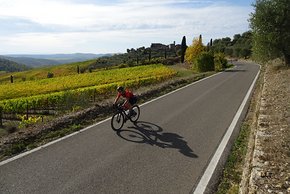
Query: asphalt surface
167, 151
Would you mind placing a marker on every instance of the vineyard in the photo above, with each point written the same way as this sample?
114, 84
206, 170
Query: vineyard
70, 91
41, 73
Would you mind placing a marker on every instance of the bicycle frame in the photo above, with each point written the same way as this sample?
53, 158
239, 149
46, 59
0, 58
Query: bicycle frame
120, 116
121, 109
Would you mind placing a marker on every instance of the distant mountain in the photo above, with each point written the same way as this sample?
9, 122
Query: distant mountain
52, 59
32, 62
11, 66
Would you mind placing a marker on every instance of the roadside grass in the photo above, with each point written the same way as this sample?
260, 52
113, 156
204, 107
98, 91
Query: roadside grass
232, 174
2, 131
182, 70
231, 180
28, 144
53, 135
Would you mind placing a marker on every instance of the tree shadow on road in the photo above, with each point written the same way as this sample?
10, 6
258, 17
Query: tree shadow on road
149, 133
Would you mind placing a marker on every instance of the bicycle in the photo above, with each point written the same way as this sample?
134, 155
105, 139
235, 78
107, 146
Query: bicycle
121, 116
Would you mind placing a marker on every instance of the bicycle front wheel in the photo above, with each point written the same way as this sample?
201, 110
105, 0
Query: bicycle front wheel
117, 121
136, 112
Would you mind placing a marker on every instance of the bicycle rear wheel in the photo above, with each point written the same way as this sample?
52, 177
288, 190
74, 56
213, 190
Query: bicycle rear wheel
136, 109
117, 121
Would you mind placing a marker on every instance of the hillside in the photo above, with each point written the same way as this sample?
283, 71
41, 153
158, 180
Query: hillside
52, 59
11, 66
42, 72
32, 62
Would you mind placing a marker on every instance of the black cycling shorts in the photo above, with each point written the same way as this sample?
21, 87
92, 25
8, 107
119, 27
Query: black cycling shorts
133, 100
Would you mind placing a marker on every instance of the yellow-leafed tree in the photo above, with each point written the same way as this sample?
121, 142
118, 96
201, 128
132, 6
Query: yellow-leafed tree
194, 50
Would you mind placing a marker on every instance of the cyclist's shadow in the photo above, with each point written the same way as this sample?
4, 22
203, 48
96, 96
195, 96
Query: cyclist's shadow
149, 133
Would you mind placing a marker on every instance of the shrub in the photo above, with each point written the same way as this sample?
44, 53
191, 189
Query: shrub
50, 75
82, 70
11, 127
155, 60
204, 62
167, 61
171, 60
220, 62
28, 121
123, 65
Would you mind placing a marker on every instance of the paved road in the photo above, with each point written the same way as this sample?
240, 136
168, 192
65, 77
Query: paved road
166, 152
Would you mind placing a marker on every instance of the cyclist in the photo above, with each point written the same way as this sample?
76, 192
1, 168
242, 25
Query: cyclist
131, 99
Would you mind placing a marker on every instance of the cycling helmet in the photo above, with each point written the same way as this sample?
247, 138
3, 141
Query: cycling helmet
120, 89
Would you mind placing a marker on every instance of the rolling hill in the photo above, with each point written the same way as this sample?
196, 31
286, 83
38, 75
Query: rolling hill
53, 59
11, 66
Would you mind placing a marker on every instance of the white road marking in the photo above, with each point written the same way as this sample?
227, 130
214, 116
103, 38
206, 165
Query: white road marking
202, 185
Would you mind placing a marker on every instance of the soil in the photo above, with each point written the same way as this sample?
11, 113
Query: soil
270, 166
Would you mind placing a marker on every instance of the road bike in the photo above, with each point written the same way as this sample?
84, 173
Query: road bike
122, 115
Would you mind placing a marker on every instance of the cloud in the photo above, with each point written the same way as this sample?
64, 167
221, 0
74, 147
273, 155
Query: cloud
69, 25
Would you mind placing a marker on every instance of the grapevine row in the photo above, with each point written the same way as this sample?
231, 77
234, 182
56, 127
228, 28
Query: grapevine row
72, 82
73, 97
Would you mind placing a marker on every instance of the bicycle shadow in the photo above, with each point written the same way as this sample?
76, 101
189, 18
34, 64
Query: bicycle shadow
149, 133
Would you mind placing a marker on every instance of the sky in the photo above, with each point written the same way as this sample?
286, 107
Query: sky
112, 26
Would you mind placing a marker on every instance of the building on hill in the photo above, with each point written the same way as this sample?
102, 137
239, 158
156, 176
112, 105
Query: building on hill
155, 51
159, 50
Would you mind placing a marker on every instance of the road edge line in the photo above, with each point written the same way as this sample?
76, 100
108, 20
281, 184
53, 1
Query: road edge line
206, 177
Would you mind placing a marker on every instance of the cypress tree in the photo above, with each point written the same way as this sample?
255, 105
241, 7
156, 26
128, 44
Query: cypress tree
183, 49
200, 38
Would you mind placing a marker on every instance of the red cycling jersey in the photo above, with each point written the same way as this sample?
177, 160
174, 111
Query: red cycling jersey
127, 94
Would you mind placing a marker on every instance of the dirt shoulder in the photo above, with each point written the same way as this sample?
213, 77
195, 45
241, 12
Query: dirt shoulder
270, 162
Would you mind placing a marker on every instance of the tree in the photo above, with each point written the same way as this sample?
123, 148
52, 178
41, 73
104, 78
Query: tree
200, 38
245, 52
229, 51
236, 38
271, 30
183, 48
209, 46
78, 69
194, 50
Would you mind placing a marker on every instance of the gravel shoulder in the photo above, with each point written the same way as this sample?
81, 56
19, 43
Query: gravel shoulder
270, 161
